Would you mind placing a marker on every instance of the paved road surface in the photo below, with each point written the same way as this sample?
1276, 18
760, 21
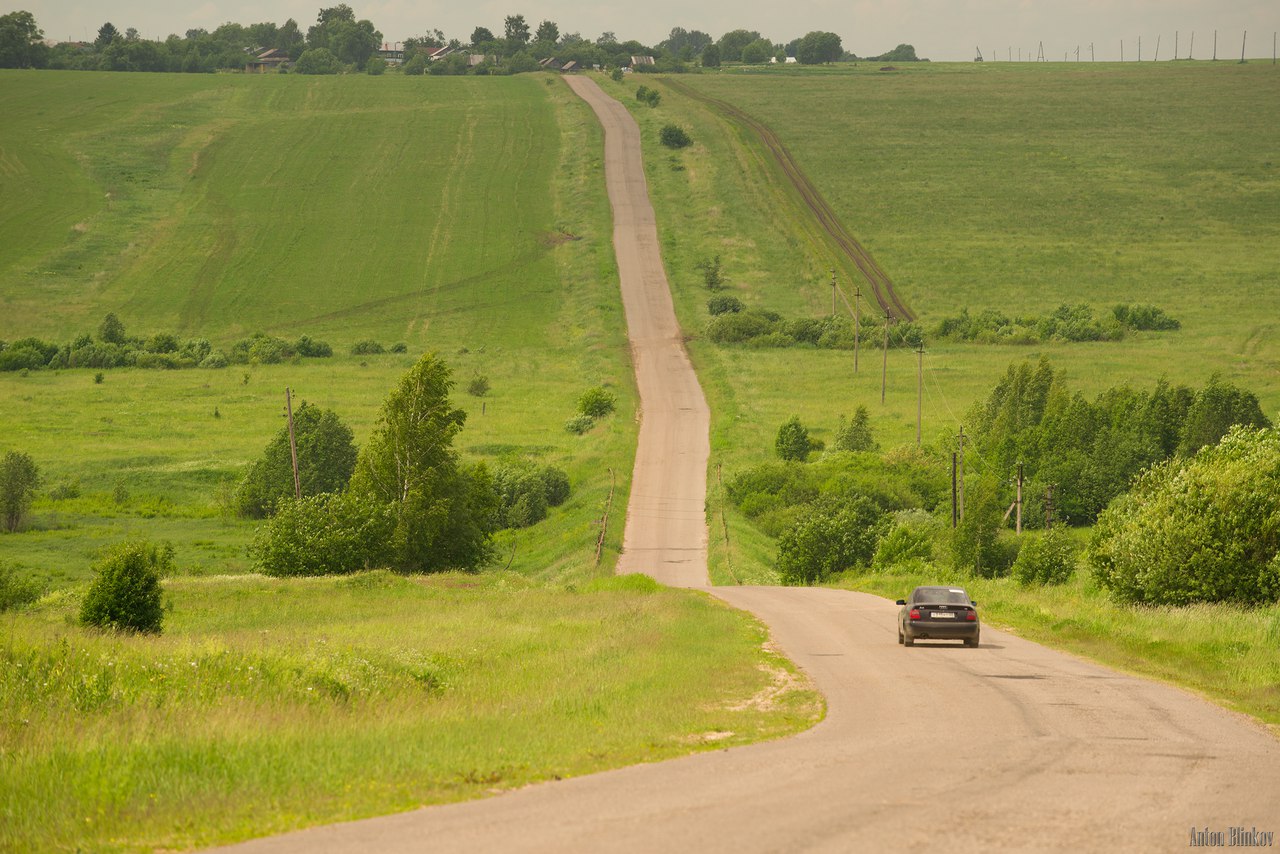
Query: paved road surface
1011, 746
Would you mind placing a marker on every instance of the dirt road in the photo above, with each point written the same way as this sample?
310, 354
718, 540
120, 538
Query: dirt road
1010, 747
666, 528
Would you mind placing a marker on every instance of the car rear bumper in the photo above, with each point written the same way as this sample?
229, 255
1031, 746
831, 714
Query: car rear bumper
920, 630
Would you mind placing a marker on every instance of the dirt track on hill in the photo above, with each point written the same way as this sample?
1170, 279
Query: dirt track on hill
877, 278
1008, 747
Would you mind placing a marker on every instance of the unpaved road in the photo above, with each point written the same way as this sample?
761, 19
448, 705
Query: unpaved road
1010, 747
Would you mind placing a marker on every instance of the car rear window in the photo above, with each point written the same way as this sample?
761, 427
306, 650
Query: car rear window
940, 596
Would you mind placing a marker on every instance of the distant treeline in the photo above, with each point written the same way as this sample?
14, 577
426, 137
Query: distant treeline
338, 41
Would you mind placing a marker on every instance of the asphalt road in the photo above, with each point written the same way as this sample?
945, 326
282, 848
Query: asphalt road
1011, 747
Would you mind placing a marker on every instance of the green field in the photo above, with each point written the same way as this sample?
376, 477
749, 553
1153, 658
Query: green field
1017, 187
461, 215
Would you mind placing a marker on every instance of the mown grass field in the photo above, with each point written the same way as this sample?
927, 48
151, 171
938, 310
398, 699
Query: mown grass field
453, 215
1008, 186
270, 705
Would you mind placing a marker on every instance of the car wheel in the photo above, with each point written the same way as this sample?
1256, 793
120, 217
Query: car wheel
908, 640
973, 641
900, 639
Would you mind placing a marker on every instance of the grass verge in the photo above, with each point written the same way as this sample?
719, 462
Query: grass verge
271, 705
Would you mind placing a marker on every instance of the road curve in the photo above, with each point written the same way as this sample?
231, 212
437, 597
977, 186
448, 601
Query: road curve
1009, 747
666, 528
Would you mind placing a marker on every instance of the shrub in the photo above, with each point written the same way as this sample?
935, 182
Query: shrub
712, 276
479, 386
1200, 530
214, 360
723, 304
318, 60
579, 424
126, 595
65, 491
909, 540
376, 66
313, 349
16, 591
555, 485
326, 534
399, 347
975, 545
616, 75
19, 478
596, 402
1046, 559
674, 136
367, 348
830, 537
793, 441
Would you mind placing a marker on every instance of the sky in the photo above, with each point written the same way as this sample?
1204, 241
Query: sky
941, 30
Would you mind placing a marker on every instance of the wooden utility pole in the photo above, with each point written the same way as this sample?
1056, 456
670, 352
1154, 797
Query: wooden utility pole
1175, 44
919, 390
884, 367
293, 444
1092, 58
857, 333
1122, 50
1215, 45
961, 471
1156, 58
1192, 49
954, 515
1139, 48
1243, 39
1019, 498
833, 293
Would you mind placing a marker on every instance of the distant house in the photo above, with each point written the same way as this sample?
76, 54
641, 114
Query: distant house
392, 54
570, 66
550, 64
642, 60
271, 59
439, 52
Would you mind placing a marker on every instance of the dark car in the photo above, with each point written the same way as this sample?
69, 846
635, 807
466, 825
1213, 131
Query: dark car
938, 613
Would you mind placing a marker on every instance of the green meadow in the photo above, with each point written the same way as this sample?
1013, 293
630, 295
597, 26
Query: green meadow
1016, 187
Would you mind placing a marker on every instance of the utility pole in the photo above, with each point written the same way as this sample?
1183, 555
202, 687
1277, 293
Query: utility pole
1157, 56
1122, 50
884, 367
1215, 45
293, 445
1139, 48
833, 293
1019, 498
1092, 58
954, 516
1192, 49
919, 390
857, 333
1048, 507
1243, 39
961, 507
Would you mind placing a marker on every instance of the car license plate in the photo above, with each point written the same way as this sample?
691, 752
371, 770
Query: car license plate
943, 615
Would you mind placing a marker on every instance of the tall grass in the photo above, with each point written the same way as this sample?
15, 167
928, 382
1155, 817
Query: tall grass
269, 705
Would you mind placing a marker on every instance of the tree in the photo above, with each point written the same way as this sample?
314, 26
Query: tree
1216, 409
711, 56
289, 39
126, 595
107, 34
674, 136
516, 31
481, 36
325, 534
444, 511
819, 47
21, 42
681, 40
548, 33
732, 43
856, 434
318, 60
19, 478
792, 442
757, 52
1205, 529
326, 459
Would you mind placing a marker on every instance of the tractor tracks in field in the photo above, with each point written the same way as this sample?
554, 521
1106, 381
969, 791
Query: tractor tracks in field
881, 285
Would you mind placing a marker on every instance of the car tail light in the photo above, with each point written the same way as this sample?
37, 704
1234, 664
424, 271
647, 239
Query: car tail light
971, 616
915, 613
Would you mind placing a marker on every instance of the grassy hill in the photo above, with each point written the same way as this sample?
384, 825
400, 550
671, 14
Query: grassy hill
460, 215
1018, 187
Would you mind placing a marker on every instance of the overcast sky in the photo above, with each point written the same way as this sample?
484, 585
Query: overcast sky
939, 29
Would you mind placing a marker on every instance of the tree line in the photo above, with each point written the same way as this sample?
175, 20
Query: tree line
339, 41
